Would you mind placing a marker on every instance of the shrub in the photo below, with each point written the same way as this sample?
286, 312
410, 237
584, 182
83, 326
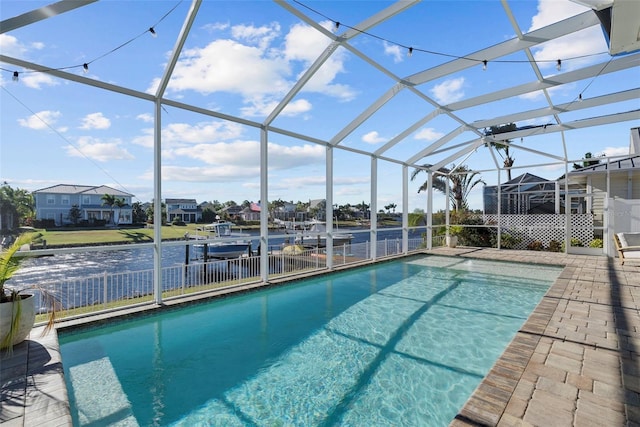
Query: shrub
596, 243
509, 241
536, 245
44, 223
576, 243
555, 246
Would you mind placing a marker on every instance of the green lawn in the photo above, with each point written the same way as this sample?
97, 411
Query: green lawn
75, 237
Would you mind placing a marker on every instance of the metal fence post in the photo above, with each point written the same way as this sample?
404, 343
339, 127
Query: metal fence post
184, 276
104, 293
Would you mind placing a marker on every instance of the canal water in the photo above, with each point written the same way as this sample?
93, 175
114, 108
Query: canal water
82, 264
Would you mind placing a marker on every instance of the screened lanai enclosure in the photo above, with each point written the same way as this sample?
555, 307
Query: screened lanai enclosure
512, 124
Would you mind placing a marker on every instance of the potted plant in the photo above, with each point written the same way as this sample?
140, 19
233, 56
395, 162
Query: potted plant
17, 309
453, 231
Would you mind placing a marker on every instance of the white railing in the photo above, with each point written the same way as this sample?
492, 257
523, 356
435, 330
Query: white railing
107, 291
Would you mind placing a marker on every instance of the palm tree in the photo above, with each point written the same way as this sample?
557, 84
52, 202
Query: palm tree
119, 203
109, 200
391, 206
461, 182
17, 206
503, 145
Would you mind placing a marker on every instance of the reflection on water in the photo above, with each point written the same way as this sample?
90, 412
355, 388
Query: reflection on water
56, 268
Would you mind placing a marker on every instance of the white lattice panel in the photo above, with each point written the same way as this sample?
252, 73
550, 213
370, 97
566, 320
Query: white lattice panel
544, 227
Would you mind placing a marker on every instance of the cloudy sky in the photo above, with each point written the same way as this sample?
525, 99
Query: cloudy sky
241, 59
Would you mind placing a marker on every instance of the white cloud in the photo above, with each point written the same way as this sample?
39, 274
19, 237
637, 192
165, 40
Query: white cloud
373, 137
207, 174
180, 134
550, 11
304, 43
95, 121
247, 154
228, 66
394, 51
146, 139
259, 36
585, 42
253, 65
10, 46
616, 151
260, 108
200, 132
216, 26
37, 80
96, 149
428, 134
145, 117
238, 161
297, 107
40, 120
448, 91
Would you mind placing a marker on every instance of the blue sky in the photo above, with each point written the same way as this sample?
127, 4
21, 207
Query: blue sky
240, 59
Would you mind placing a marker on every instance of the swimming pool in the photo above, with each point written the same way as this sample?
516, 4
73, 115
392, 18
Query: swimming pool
399, 343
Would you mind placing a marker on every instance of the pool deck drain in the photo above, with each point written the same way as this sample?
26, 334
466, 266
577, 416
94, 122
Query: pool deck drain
575, 362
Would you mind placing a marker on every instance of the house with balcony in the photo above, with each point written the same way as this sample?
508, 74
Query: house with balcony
185, 210
55, 204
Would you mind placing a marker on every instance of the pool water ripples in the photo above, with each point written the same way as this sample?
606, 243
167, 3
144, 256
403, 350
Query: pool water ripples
401, 343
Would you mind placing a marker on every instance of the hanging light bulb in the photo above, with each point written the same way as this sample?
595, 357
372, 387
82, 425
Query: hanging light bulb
153, 32
337, 25
16, 77
85, 67
559, 65
580, 98
484, 65
410, 52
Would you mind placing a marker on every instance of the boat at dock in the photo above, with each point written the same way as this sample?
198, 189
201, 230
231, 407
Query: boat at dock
314, 235
218, 241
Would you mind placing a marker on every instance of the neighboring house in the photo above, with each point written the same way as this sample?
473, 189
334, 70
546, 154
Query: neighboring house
54, 203
287, 212
317, 208
619, 179
523, 195
186, 210
251, 212
231, 212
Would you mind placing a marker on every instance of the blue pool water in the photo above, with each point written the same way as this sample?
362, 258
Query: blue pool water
402, 343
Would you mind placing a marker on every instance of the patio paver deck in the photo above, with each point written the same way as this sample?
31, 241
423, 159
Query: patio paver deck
575, 362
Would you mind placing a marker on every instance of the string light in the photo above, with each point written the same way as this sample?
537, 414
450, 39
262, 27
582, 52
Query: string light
337, 25
411, 49
85, 66
580, 98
